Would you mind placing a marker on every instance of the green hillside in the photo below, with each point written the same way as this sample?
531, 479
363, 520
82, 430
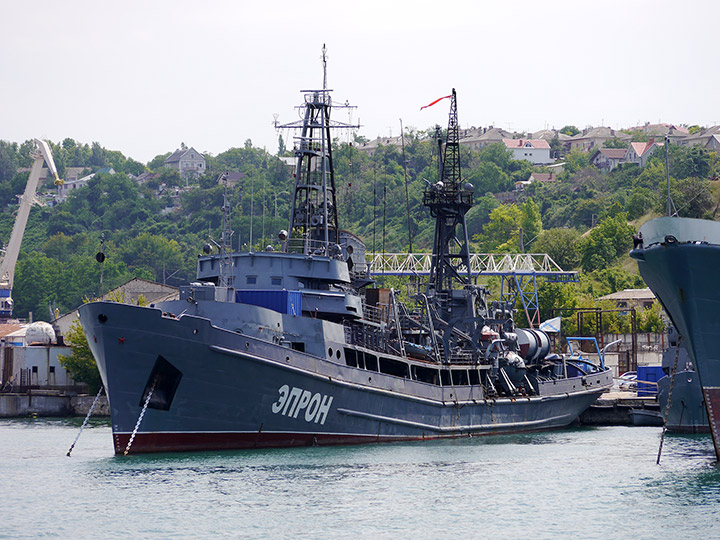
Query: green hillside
584, 219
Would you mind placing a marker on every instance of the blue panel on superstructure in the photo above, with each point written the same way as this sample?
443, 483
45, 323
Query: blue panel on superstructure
282, 301
4, 293
648, 374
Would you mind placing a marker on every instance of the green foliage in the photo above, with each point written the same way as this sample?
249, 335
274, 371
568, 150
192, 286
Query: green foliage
691, 196
8, 161
574, 161
489, 177
530, 222
80, 364
501, 233
651, 320
639, 136
154, 253
615, 143
570, 130
155, 235
158, 162
606, 243
562, 245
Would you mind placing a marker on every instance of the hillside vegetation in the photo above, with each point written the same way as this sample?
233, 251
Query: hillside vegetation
584, 219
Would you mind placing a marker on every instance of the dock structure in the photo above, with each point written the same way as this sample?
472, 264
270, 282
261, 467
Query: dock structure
518, 273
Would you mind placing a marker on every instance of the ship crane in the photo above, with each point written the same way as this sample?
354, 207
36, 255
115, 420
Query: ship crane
7, 265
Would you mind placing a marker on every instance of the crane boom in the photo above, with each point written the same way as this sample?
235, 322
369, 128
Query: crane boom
7, 266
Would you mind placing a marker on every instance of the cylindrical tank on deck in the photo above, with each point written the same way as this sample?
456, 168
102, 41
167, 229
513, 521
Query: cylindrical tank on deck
534, 344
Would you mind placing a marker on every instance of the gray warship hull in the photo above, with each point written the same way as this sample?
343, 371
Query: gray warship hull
687, 409
679, 262
293, 347
220, 389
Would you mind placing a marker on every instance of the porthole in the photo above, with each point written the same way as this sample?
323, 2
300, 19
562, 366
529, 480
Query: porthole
330, 352
337, 353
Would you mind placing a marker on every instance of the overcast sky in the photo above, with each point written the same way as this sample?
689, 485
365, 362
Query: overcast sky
143, 76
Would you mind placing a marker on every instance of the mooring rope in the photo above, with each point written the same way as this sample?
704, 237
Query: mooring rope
92, 408
142, 413
669, 400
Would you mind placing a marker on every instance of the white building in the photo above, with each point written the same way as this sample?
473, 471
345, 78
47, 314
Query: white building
29, 357
536, 151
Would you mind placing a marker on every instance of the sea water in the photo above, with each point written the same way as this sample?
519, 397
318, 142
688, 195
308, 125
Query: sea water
583, 483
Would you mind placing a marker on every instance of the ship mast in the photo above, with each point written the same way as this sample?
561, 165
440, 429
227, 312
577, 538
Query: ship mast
313, 219
449, 200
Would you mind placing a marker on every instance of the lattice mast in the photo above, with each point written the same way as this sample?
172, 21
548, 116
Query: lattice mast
449, 200
314, 219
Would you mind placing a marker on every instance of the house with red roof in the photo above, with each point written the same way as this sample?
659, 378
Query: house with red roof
640, 152
536, 151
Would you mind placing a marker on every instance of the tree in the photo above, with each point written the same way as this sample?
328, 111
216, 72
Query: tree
158, 162
98, 157
80, 363
570, 130
530, 222
691, 196
693, 161
615, 143
606, 242
574, 161
154, 253
561, 244
651, 319
488, 177
640, 201
501, 234
498, 154
479, 214
8, 161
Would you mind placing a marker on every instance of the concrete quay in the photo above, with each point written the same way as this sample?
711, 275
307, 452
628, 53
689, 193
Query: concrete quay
50, 403
613, 409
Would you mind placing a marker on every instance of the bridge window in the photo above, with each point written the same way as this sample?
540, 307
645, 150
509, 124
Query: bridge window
371, 362
425, 374
394, 367
351, 357
460, 377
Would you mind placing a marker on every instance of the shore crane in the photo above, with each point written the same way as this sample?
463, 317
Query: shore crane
41, 154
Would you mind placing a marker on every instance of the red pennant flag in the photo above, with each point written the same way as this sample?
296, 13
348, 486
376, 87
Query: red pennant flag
434, 102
